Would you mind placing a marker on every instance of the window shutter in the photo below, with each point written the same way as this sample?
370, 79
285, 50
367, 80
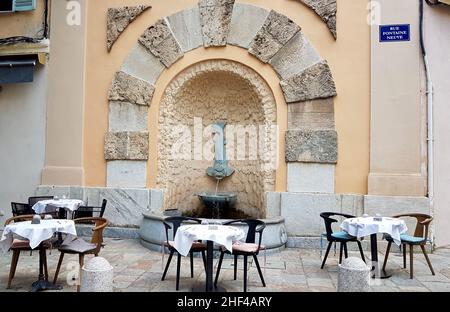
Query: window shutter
24, 5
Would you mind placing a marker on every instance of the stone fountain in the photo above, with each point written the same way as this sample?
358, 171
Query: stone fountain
216, 201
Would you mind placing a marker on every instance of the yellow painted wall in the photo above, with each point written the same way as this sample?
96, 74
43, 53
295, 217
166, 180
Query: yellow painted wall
348, 57
28, 23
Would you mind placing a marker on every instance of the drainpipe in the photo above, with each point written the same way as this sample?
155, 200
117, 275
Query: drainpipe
430, 121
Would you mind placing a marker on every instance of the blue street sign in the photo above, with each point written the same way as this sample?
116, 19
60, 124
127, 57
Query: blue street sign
389, 33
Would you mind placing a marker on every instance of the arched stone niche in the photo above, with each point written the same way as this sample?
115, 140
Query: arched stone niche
207, 92
272, 38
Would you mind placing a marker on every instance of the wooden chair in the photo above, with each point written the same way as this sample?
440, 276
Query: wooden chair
19, 245
247, 249
420, 238
93, 247
196, 246
338, 237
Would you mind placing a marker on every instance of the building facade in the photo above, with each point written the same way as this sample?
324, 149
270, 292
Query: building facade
326, 116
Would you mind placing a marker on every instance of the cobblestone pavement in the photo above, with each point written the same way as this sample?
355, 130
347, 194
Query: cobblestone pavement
137, 269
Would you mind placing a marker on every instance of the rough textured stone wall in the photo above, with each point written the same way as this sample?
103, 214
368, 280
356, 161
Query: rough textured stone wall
214, 91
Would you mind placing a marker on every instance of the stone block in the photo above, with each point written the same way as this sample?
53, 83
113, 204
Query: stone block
327, 10
317, 146
353, 276
302, 212
126, 145
215, 20
315, 114
315, 82
126, 88
142, 64
246, 21
97, 275
273, 202
297, 55
276, 31
156, 200
126, 173
185, 26
127, 117
159, 40
310, 178
352, 204
118, 19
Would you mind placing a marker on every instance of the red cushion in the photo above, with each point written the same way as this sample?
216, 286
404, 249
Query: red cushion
20, 244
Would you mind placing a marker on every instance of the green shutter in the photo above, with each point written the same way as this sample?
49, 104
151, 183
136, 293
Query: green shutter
24, 5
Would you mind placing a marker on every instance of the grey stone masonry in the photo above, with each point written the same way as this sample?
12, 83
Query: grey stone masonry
274, 34
215, 20
247, 20
118, 19
315, 82
327, 10
316, 146
185, 26
126, 145
126, 88
159, 40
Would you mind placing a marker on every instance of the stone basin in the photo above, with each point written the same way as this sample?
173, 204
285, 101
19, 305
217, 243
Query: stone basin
220, 200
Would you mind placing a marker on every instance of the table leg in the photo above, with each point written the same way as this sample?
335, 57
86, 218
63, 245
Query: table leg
209, 285
376, 272
42, 283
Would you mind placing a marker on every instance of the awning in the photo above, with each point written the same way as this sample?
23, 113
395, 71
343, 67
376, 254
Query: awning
17, 69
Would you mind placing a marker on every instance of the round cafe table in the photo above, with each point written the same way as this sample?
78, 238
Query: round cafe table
68, 204
371, 226
36, 234
212, 233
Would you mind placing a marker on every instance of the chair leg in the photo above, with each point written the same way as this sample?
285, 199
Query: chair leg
12, 270
178, 271
235, 266
204, 259
191, 255
411, 260
219, 266
345, 250
388, 250
361, 251
259, 270
326, 254
245, 273
167, 265
61, 257
81, 261
427, 258
404, 255
340, 252
45, 266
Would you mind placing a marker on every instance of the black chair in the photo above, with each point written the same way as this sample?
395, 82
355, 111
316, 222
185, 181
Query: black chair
90, 211
249, 248
21, 209
338, 237
196, 246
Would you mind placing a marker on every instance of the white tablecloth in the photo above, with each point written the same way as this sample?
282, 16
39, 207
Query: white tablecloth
68, 204
35, 233
365, 226
221, 234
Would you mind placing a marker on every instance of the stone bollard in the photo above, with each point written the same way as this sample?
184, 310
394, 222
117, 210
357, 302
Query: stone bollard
354, 276
97, 276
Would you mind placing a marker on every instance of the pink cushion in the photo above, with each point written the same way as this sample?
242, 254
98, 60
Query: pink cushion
20, 244
247, 247
195, 245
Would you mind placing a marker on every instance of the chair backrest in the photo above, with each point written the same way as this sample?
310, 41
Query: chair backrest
176, 223
33, 200
97, 231
254, 226
329, 221
19, 219
88, 211
20, 209
422, 225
